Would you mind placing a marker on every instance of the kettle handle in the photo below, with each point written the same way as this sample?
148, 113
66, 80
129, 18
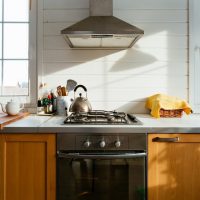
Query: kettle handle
80, 86
2, 108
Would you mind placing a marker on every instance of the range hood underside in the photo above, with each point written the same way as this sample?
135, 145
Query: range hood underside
101, 41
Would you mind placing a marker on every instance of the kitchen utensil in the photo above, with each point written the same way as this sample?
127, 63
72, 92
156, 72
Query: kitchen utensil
11, 108
64, 91
80, 104
59, 91
71, 84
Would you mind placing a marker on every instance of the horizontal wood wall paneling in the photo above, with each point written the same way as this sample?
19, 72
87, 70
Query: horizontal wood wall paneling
109, 68
65, 15
130, 16
52, 28
164, 28
153, 41
107, 94
120, 94
168, 42
103, 68
119, 4
129, 107
149, 28
150, 4
147, 55
55, 42
65, 4
120, 81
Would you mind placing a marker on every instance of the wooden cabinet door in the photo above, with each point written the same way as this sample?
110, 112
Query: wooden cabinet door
27, 167
174, 167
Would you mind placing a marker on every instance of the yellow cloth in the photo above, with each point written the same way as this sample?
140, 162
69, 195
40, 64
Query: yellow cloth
158, 101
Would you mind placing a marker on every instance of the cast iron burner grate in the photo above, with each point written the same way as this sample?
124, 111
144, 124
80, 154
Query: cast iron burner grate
97, 117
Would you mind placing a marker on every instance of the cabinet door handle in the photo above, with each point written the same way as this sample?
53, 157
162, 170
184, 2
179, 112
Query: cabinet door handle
158, 139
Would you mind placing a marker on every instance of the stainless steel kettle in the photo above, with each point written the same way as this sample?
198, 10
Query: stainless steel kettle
80, 104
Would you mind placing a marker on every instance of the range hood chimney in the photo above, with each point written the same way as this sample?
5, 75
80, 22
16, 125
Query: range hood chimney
101, 30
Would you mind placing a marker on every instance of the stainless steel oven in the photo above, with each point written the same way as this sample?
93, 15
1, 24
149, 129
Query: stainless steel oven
101, 167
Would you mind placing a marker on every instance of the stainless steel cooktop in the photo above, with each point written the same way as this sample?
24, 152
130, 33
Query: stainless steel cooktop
102, 117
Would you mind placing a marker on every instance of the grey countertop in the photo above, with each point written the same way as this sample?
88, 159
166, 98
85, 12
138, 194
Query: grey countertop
46, 124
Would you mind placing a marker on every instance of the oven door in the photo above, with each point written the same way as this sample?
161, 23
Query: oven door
101, 176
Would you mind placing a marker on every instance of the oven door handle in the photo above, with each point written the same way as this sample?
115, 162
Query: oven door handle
102, 155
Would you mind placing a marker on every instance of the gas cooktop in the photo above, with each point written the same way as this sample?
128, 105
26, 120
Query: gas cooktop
102, 117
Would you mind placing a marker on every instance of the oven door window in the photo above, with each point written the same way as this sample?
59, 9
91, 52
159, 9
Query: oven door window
101, 179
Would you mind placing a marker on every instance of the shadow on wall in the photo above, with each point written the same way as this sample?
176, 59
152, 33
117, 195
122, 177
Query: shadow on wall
132, 58
136, 106
175, 171
66, 59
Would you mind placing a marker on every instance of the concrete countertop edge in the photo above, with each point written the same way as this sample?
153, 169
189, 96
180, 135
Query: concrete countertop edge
49, 124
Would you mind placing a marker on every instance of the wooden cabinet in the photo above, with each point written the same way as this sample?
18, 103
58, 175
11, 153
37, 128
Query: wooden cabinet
27, 167
173, 167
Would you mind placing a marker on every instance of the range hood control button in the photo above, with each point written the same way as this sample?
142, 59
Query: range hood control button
102, 144
117, 144
87, 144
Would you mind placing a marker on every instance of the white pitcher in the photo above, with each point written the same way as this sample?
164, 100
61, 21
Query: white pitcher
11, 108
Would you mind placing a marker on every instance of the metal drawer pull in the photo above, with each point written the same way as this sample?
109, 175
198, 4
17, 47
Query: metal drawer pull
158, 139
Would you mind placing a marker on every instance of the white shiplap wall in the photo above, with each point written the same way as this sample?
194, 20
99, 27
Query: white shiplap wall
121, 79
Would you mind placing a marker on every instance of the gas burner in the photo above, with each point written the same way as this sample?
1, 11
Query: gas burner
100, 117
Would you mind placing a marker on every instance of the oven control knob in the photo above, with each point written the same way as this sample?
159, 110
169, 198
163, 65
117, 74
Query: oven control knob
87, 144
117, 144
102, 144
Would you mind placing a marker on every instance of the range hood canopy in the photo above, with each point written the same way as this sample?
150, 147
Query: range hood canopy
101, 29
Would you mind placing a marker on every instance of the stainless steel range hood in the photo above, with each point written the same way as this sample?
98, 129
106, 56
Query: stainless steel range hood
101, 29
